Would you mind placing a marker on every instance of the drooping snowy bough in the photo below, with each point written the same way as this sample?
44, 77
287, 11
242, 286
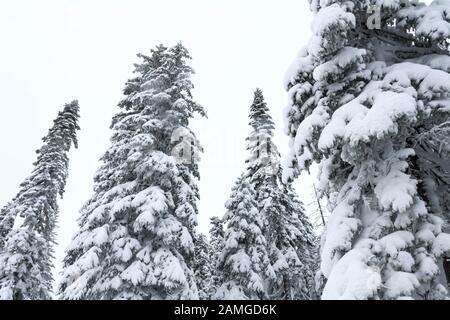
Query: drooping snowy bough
136, 233
371, 102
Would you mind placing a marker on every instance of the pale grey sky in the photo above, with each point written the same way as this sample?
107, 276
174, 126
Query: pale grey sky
53, 51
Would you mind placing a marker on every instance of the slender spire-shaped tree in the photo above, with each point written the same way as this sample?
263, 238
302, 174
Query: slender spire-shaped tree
289, 234
263, 162
282, 235
136, 232
368, 100
203, 266
27, 225
260, 118
217, 234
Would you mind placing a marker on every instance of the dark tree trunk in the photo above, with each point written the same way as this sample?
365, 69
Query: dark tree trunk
447, 268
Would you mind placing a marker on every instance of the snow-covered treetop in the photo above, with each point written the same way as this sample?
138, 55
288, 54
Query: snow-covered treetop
60, 138
27, 223
66, 126
264, 156
259, 113
164, 72
36, 198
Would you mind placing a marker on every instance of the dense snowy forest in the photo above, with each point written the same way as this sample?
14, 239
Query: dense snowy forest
368, 106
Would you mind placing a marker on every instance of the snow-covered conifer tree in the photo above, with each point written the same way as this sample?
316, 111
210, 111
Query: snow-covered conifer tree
244, 262
285, 234
27, 223
217, 235
289, 234
135, 238
203, 266
6, 222
369, 99
292, 243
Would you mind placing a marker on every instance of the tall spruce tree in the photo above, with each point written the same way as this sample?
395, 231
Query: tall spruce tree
27, 225
369, 99
217, 234
136, 232
289, 234
283, 236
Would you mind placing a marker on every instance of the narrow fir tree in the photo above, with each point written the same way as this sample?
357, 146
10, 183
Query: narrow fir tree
28, 222
289, 234
135, 239
284, 238
217, 235
203, 266
369, 99
244, 261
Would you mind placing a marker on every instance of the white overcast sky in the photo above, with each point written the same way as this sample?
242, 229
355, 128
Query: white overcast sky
53, 51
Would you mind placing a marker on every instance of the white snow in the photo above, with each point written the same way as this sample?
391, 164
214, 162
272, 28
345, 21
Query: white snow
396, 241
401, 284
441, 244
395, 191
380, 119
352, 279
134, 273
341, 227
